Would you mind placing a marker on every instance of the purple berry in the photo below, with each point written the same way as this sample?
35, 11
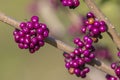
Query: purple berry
96, 24
95, 31
64, 2
45, 33
37, 47
77, 71
102, 28
88, 46
15, 32
76, 3
90, 15
31, 51
87, 59
32, 45
26, 46
90, 27
35, 19
80, 61
40, 37
91, 56
83, 29
27, 36
17, 38
80, 50
21, 45
86, 22
76, 40
36, 25
80, 44
30, 25
34, 40
43, 26
113, 66
82, 74
41, 43
75, 64
72, 55
85, 38
40, 30
86, 70
25, 30
102, 23
69, 3
117, 71
27, 40
86, 53
22, 25
76, 52
22, 40
20, 33
67, 65
89, 41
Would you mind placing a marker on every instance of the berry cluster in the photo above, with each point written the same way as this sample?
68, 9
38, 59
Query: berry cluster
32, 34
75, 61
93, 27
109, 77
116, 66
71, 3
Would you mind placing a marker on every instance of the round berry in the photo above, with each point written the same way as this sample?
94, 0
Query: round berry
117, 71
95, 31
83, 29
45, 33
22, 25
102, 28
102, 23
30, 25
97, 24
35, 19
21, 45
90, 15
77, 71
76, 40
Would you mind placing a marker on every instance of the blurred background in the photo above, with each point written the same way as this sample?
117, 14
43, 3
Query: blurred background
48, 62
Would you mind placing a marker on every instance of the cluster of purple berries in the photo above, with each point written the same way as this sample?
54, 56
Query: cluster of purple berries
116, 67
76, 60
93, 27
71, 3
109, 77
32, 34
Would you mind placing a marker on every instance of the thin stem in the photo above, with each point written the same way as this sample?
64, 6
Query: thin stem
9, 21
111, 28
60, 45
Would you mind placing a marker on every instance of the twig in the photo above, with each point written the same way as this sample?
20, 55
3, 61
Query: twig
9, 21
111, 29
60, 45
